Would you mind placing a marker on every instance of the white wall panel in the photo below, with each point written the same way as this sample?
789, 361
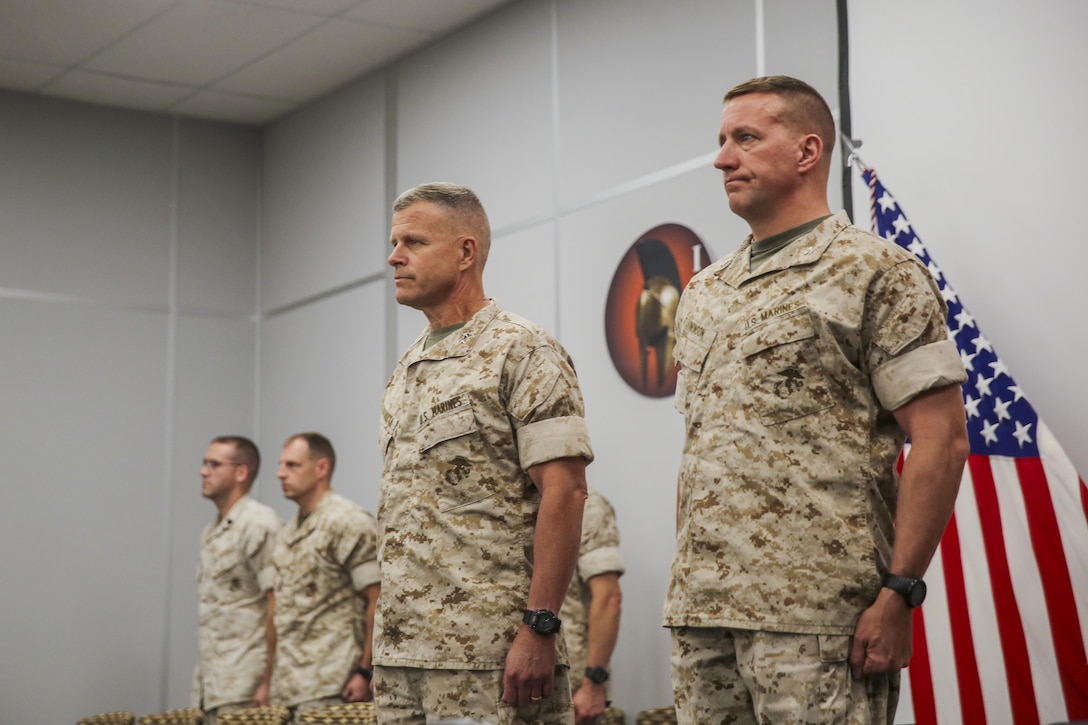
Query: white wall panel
323, 210
637, 439
801, 40
82, 440
521, 275
219, 177
322, 369
638, 80
88, 189
476, 109
971, 123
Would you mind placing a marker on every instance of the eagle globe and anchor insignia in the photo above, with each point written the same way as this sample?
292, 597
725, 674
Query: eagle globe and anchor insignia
641, 308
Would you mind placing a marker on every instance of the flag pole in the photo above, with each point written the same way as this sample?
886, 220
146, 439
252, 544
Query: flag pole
852, 145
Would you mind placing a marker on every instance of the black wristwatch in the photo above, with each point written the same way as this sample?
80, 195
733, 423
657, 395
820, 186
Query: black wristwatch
368, 675
597, 674
913, 591
541, 621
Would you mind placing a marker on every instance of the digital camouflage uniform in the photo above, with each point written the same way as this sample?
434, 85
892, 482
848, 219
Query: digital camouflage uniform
599, 553
462, 422
788, 377
233, 575
322, 565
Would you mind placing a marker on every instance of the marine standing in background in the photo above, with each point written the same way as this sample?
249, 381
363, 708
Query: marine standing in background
591, 609
326, 587
234, 579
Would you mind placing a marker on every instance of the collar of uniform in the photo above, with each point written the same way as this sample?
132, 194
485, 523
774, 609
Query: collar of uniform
806, 249
460, 342
223, 523
304, 529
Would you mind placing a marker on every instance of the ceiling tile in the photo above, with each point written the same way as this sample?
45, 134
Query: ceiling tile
62, 32
200, 41
232, 107
17, 75
319, 7
161, 54
113, 91
426, 15
321, 60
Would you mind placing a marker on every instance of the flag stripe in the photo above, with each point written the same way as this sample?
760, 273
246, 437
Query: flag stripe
1010, 629
989, 656
1057, 587
1066, 489
970, 689
946, 691
921, 675
1027, 585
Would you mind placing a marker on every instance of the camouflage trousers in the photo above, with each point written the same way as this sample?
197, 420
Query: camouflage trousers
416, 696
751, 677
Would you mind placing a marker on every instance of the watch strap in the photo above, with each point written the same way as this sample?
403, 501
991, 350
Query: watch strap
912, 590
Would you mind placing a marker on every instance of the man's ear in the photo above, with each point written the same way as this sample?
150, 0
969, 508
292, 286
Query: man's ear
470, 249
810, 152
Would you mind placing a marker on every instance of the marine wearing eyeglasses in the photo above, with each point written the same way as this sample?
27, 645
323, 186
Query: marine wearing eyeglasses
234, 577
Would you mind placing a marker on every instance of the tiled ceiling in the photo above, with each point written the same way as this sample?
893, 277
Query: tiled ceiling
245, 61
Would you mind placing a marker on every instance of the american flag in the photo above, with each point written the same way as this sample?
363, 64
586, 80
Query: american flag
1002, 635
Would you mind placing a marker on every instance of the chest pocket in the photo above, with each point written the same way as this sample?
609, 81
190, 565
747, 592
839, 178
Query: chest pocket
691, 351
783, 374
305, 576
447, 426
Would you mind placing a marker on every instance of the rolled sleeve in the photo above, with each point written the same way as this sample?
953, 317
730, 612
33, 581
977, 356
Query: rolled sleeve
553, 438
605, 560
266, 578
365, 575
903, 378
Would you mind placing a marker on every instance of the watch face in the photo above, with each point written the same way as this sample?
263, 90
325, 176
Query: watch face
547, 623
542, 621
917, 593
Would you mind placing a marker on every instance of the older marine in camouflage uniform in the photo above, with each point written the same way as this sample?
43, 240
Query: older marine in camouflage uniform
484, 446
803, 356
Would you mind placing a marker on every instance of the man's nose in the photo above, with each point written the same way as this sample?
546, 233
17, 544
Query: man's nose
725, 158
395, 257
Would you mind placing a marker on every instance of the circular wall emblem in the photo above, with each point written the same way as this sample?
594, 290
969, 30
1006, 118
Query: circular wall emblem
641, 306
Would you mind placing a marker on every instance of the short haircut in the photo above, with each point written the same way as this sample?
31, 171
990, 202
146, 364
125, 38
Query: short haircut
807, 111
246, 452
320, 447
461, 201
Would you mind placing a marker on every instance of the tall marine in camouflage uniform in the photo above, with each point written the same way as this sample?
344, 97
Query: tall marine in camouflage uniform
327, 583
592, 607
234, 578
485, 448
806, 356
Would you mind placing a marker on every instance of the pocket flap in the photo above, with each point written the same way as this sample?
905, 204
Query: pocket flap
784, 330
447, 426
691, 351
